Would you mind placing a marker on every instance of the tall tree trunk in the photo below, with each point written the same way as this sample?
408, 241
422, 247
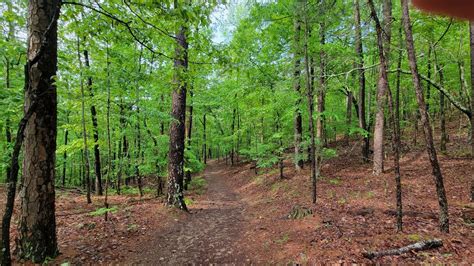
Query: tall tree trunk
348, 116
442, 121
298, 122
84, 130
95, 131
138, 158
232, 152
471, 30
320, 120
310, 94
63, 179
177, 127
37, 221
428, 84
109, 142
394, 123
382, 91
397, 92
360, 66
204, 144
442, 200
189, 135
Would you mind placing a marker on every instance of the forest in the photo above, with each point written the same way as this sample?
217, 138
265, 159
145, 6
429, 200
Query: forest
178, 132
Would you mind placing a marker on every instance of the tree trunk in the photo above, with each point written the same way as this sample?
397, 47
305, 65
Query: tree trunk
63, 179
312, 154
232, 151
298, 123
428, 85
138, 159
84, 130
189, 135
95, 130
204, 146
37, 222
360, 66
109, 143
320, 120
177, 127
382, 91
394, 122
348, 117
442, 200
471, 30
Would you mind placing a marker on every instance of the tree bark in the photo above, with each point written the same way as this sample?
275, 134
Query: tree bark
84, 129
320, 120
298, 123
95, 131
442, 200
189, 135
310, 94
63, 179
471, 30
382, 90
419, 246
360, 66
37, 222
177, 128
348, 117
394, 122
204, 139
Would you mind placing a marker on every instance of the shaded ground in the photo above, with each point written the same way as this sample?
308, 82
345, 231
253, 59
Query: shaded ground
241, 217
207, 235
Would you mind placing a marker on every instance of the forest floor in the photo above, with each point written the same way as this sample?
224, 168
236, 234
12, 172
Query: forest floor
239, 216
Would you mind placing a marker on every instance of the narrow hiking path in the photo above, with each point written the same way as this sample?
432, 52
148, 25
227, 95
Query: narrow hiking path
208, 234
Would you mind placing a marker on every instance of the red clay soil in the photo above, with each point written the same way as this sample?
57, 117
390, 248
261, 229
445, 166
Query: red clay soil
242, 218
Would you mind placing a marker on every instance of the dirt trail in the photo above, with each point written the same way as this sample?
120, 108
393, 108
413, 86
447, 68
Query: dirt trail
209, 234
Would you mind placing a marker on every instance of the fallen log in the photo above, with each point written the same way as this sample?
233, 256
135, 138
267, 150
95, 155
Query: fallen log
419, 246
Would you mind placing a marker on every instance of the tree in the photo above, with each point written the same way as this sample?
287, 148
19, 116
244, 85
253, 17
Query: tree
177, 128
382, 91
361, 72
298, 125
442, 200
313, 156
37, 225
471, 30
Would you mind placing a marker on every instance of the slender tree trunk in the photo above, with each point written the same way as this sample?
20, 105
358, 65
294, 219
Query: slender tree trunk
360, 66
63, 179
138, 160
298, 122
348, 117
84, 130
310, 94
109, 143
428, 84
233, 129
177, 128
471, 30
189, 135
442, 200
442, 120
394, 123
37, 222
397, 92
204, 146
95, 131
382, 91
320, 120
